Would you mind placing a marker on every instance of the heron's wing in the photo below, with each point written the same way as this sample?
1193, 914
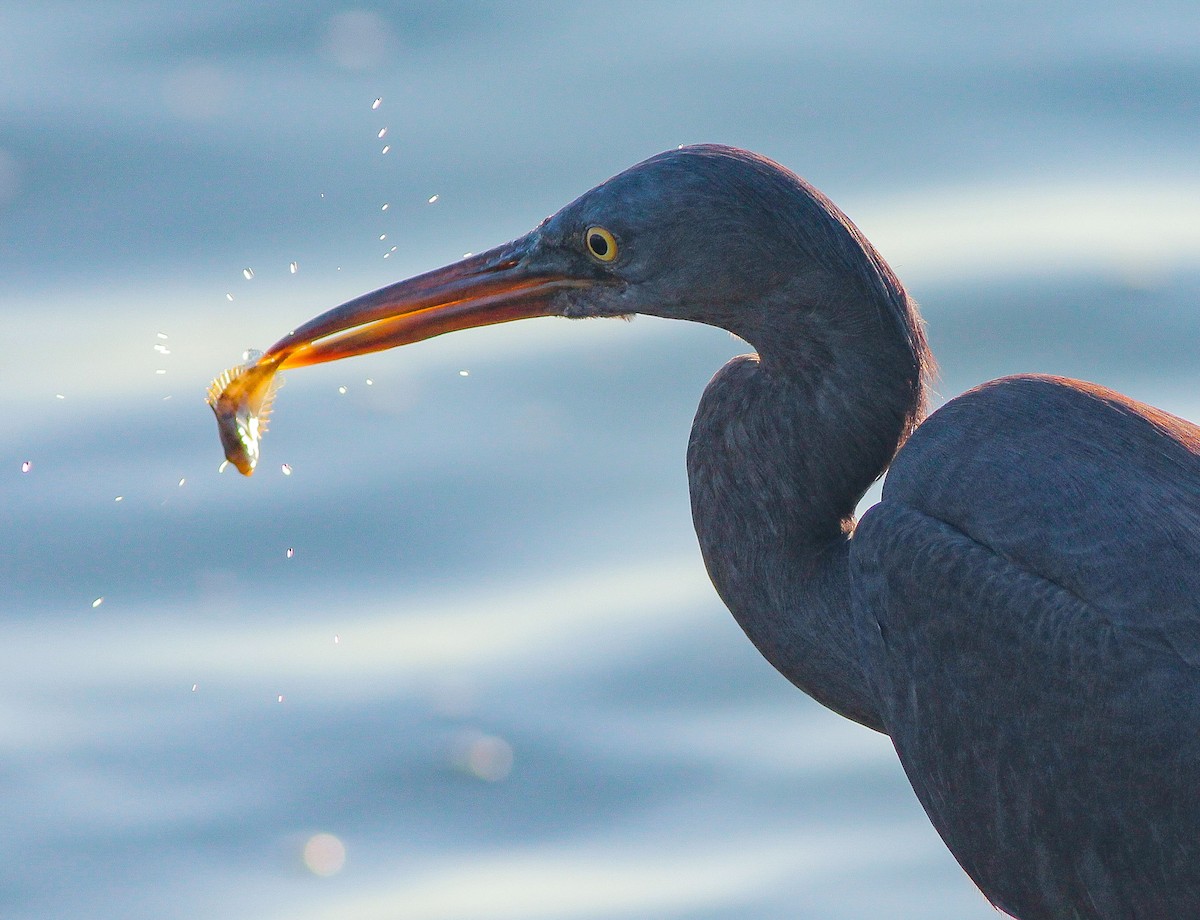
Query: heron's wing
1086, 488
1029, 594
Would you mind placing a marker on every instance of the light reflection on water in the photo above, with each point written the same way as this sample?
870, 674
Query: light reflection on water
465, 663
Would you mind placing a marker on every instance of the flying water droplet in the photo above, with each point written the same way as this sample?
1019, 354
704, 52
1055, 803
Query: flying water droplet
433, 198
342, 390
377, 103
382, 133
119, 498
97, 602
464, 373
286, 469
195, 687
290, 552
26, 466
59, 396
383, 236
293, 267
280, 698
384, 208
386, 148
162, 335
229, 297
160, 371
370, 382
337, 639
181, 482
247, 273
224, 464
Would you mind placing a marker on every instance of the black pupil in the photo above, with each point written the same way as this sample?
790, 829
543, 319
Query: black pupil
599, 244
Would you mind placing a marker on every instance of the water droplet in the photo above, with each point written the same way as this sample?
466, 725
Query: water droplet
370, 382
384, 208
324, 855
280, 698
382, 133
26, 466
224, 464
160, 371
59, 396
195, 687
433, 198
97, 602
377, 103
181, 482
337, 639
162, 349
467, 255
383, 236
342, 390
322, 194
386, 148
290, 552
293, 267
464, 373
229, 297
393, 249
162, 335
387, 255
247, 273
165, 398
286, 469
119, 498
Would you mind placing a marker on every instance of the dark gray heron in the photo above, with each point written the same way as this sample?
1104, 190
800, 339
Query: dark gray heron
1020, 613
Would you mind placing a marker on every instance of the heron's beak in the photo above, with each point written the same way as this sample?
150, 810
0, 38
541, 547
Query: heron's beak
514, 281
497, 286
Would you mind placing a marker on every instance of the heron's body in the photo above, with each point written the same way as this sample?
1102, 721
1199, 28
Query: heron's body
1020, 612
1031, 591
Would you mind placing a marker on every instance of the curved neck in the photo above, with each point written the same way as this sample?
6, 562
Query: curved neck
782, 449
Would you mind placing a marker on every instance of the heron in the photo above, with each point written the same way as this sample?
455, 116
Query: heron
1019, 612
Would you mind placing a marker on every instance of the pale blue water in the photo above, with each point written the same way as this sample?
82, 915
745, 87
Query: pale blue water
499, 564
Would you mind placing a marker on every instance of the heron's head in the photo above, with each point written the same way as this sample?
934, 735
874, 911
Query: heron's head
703, 233
706, 233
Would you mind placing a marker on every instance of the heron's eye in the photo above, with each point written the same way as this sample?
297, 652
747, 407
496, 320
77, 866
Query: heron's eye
600, 243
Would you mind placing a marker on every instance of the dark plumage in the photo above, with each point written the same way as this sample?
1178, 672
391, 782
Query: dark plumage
1020, 612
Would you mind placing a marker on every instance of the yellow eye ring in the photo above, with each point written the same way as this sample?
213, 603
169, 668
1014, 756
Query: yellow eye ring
600, 243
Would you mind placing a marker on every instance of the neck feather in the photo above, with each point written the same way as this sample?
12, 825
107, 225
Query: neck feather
784, 445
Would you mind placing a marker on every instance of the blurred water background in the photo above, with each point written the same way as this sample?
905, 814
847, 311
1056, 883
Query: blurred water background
459, 660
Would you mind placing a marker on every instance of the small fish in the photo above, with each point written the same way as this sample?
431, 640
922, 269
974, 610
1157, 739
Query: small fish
241, 400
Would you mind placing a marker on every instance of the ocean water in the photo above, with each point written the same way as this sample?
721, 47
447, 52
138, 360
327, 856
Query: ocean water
460, 661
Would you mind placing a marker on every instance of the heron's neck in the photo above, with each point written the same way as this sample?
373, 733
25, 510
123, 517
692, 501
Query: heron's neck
781, 452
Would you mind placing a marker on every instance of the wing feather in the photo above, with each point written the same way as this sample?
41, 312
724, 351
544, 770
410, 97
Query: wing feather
1029, 589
